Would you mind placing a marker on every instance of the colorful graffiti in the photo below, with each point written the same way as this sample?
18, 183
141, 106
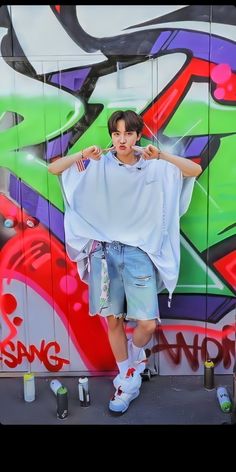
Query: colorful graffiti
64, 70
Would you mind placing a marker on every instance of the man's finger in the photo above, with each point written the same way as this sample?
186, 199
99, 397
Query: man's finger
108, 149
138, 148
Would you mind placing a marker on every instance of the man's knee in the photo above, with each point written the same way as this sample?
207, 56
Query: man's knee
148, 326
114, 323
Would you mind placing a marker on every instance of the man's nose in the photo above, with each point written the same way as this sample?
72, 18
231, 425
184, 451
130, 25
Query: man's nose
122, 138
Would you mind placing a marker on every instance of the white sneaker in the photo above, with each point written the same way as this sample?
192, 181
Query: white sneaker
121, 400
130, 383
141, 363
127, 389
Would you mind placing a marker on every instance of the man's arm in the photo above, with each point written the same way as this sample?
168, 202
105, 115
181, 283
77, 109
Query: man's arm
187, 167
61, 164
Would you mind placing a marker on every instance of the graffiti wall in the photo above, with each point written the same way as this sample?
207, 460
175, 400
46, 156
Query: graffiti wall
63, 71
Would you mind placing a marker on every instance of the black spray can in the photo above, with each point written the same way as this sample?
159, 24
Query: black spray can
209, 383
84, 391
62, 403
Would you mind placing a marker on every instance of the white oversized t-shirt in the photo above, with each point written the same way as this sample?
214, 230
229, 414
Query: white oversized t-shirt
138, 204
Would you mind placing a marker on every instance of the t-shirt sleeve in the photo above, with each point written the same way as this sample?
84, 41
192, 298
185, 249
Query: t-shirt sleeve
71, 177
185, 186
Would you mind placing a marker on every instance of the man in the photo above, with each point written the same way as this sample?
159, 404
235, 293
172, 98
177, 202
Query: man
122, 227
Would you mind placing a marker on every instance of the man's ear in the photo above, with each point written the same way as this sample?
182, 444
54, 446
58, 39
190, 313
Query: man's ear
138, 138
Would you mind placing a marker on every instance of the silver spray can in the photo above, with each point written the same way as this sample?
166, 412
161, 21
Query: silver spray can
209, 382
55, 385
84, 391
224, 399
29, 387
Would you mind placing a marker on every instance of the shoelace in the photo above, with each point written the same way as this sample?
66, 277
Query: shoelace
140, 362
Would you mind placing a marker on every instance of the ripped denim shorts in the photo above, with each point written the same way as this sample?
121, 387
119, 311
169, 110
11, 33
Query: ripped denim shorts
132, 276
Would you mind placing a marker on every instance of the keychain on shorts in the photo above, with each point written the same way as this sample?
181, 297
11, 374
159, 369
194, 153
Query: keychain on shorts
104, 280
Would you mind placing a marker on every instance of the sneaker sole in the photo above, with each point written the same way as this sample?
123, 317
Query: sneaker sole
117, 413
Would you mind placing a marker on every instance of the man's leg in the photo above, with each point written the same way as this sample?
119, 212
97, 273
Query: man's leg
143, 332
118, 343
117, 338
140, 284
141, 336
127, 383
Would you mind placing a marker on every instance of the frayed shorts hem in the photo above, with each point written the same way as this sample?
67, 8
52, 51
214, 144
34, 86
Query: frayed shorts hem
127, 318
119, 315
136, 318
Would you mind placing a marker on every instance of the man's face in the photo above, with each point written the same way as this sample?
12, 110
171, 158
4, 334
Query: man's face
124, 140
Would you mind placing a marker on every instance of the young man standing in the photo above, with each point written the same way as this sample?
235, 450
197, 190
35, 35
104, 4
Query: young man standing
122, 227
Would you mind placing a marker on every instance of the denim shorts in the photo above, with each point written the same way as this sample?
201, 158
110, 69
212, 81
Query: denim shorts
132, 276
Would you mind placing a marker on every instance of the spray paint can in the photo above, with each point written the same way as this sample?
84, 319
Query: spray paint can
32, 222
209, 375
62, 403
84, 391
224, 400
55, 385
29, 387
233, 414
10, 222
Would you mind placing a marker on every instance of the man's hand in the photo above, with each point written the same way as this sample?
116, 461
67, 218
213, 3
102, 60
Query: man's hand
94, 152
148, 152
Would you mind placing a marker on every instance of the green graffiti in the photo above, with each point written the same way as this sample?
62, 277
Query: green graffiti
213, 198
44, 118
192, 118
96, 134
33, 172
196, 277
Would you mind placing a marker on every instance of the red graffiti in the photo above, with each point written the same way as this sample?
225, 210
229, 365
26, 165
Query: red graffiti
160, 112
226, 265
13, 355
8, 304
200, 329
38, 259
197, 352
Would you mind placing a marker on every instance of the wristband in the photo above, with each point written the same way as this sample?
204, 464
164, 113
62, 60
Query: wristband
82, 156
158, 157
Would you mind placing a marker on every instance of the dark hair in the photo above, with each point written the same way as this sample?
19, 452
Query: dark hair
133, 121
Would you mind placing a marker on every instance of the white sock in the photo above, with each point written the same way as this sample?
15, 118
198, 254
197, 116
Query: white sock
123, 367
135, 351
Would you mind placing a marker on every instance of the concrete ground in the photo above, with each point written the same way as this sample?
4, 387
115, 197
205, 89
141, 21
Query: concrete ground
164, 400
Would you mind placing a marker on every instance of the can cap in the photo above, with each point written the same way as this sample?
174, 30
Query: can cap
61, 390
226, 406
83, 380
209, 363
28, 376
